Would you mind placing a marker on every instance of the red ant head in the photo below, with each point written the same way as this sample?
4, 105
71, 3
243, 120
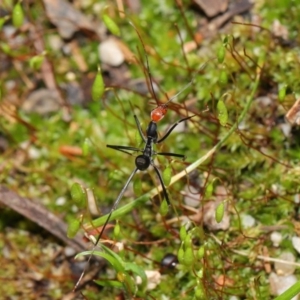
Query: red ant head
158, 113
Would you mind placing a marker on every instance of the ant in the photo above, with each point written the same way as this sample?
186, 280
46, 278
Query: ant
145, 159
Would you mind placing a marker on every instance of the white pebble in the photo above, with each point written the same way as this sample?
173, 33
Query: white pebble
110, 53
276, 238
296, 243
60, 201
247, 221
279, 284
192, 196
287, 268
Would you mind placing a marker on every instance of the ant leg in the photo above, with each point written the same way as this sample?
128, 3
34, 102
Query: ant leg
138, 125
124, 148
170, 154
105, 224
162, 184
172, 128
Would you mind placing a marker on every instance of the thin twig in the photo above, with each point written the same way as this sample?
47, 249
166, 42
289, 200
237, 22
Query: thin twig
130, 206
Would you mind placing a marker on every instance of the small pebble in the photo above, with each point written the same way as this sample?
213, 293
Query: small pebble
282, 268
279, 284
60, 201
154, 278
192, 196
276, 238
69, 251
296, 243
247, 221
110, 53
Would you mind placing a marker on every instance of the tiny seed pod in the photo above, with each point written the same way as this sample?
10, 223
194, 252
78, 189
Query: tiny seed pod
3, 20
36, 61
111, 25
225, 41
169, 261
222, 112
282, 92
220, 212
121, 276
164, 208
223, 77
200, 273
188, 256
182, 233
200, 252
98, 86
78, 194
221, 54
117, 230
6, 48
73, 227
167, 174
17, 15
209, 190
86, 147
188, 241
180, 254
199, 292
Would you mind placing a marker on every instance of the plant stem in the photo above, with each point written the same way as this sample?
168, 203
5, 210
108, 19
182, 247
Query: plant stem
129, 206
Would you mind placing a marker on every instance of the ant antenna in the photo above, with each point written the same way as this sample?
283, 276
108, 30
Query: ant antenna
177, 94
147, 62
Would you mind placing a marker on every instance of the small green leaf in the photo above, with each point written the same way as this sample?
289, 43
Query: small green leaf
209, 189
222, 112
5, 48
282, 92
188, 241
188, 256
182, 233
36, 61
17, 15
73, 227
111, 25
200, 273
114, 260
225, 41
180, 254
199, 292
223, 77
86, 146
167, 174
164, 208
220, 212
221, 54
3, 20
98, 86
117, 230
78, 194
110, 283
200, 252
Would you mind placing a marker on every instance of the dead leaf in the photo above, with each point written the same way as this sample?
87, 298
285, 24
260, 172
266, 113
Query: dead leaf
293, 115
66, 18
213, 7
39, 215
